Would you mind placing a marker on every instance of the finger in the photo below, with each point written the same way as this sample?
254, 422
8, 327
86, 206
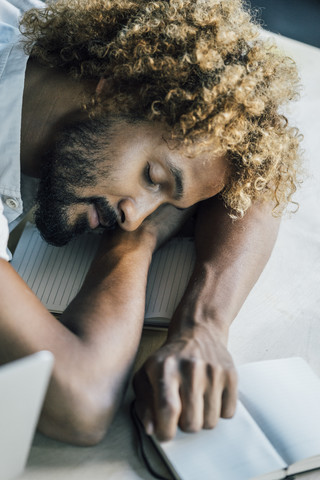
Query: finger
167, 405
229, 397
213, 396
144, 401
191, 391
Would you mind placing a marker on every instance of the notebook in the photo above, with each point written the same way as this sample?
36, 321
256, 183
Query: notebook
55, 274
23, 384
275, 432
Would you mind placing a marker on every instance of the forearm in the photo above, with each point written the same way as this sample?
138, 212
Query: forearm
113, 294
191, 380
230, 256
107, 316
94, 347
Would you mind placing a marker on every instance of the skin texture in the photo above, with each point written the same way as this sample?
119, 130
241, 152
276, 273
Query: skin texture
92, 360
191, 380
138, 173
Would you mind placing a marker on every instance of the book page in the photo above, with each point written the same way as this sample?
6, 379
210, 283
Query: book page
55, 274
235, 449
169, 274
283, 396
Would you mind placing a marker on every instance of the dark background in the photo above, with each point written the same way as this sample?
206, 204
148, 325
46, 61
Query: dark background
298, 19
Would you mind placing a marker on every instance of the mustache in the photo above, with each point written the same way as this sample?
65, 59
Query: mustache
107, 215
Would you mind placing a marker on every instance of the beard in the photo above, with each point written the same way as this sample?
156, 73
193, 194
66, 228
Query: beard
73, 162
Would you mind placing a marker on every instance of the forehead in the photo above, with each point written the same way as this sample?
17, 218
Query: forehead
137, 133
157, 136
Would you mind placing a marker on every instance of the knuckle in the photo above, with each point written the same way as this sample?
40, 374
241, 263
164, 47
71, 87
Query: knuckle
196, 363
169, 364
232, 376
169, 407
158, 366
191, 368
218, 370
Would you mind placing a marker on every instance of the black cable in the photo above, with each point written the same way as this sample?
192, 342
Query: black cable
139, 429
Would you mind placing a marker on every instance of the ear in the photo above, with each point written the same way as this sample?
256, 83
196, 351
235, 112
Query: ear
101, 85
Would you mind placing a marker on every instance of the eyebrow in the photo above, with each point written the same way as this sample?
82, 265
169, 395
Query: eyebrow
178, 181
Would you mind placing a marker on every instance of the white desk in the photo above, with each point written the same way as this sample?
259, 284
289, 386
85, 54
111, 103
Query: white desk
280, 318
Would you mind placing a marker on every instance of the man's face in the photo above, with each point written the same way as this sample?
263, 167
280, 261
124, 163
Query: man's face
104, 173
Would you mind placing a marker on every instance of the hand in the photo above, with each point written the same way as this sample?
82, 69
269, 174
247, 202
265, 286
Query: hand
190, 381
165, 222
156, 229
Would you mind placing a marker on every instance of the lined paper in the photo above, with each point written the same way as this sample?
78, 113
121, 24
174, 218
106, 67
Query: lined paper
169, 273
55, 274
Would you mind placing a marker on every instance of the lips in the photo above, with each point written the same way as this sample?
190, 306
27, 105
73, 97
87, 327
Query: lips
102, 214
93, 216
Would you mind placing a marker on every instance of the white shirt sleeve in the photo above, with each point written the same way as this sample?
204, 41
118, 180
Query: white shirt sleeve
4, 234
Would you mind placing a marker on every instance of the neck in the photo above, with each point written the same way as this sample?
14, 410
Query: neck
51, 99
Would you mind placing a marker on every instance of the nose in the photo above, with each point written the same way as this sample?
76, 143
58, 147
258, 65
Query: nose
133, 212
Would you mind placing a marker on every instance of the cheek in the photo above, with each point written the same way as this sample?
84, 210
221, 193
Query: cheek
73, 212
207, 182
124, 184
214, 177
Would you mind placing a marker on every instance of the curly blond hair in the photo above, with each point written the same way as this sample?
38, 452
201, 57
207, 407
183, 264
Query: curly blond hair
198, 65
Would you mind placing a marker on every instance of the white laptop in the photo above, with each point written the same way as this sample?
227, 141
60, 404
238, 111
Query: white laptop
23, 384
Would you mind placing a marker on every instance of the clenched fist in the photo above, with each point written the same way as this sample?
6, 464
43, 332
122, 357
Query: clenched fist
190, 381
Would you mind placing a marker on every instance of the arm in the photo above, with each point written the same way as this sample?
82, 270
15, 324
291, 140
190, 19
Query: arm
191, 380
96, 341
94, 347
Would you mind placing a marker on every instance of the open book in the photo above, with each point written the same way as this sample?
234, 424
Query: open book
55, 274
274, 433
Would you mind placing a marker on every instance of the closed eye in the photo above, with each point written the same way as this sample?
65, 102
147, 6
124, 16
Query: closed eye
147, 175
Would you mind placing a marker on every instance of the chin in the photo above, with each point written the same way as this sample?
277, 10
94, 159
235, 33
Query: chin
57, 230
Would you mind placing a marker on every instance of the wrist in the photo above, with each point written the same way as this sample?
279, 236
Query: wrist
201, 307
192, 324
211, 332
123, 243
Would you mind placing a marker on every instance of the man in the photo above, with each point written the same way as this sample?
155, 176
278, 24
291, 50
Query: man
133, 112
